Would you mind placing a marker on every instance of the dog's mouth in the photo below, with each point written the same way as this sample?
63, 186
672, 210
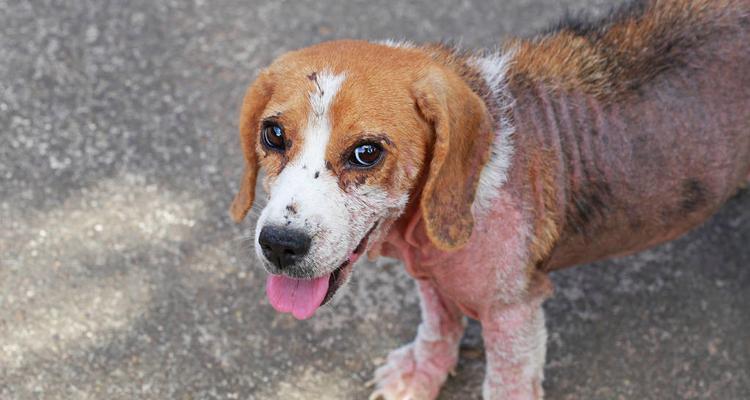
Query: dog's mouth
340, 274
302, 297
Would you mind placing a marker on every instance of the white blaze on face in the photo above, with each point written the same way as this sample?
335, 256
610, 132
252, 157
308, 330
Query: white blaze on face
306, 196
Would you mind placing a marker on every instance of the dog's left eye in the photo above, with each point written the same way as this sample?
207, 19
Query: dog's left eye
366, 155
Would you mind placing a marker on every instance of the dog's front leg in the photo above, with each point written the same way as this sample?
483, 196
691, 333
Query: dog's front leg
418, 370
515, 340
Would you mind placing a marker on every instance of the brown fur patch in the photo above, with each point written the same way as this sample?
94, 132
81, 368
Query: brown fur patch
255, 101
544, 195
457, 61
463, 136
290, 112
623, 51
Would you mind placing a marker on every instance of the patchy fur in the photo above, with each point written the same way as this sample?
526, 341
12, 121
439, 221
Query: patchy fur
418, 370
493, 68
626, 49
396, 43
594, 139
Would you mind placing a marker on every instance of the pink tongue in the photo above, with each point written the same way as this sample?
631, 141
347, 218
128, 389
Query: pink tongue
301, 297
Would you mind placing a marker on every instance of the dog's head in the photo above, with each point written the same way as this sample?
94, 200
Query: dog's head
349, 133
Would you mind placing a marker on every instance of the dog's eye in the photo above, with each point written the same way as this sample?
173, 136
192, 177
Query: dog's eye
273, 136
366, 155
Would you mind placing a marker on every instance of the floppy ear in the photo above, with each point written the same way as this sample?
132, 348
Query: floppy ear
462, 146
255, 101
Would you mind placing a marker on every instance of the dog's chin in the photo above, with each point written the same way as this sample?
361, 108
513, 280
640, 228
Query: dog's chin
340, 275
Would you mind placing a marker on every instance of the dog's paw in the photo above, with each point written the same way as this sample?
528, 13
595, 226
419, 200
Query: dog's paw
406, 376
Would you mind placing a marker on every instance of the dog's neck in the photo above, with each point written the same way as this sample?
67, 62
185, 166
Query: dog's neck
486, 74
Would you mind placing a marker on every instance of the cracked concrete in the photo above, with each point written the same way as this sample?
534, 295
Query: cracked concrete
122, 277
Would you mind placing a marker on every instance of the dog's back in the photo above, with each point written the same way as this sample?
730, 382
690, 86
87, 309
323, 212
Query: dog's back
648, 113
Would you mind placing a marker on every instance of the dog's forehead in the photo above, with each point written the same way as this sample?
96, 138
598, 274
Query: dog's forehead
362, 87
375, 74
360, 57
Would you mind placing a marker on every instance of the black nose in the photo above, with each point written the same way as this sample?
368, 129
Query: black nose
283, 246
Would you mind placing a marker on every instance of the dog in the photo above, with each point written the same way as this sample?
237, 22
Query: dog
485, 171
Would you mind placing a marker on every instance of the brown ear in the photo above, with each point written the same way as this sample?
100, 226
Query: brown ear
462, 146
255, 101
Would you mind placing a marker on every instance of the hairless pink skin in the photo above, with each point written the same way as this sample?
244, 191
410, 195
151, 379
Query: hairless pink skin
418, 369
648, 168
494, 287
637, 171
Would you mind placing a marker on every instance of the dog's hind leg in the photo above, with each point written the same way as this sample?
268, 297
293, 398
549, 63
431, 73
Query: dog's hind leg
418, 370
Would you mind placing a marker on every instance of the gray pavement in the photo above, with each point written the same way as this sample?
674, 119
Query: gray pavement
121, 276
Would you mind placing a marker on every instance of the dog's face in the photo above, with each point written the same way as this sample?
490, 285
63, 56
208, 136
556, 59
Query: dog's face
344, 132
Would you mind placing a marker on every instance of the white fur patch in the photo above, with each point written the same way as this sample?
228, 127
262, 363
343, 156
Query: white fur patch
493, 68
318, 131
326, 87
515, 359
398, 44
305, 185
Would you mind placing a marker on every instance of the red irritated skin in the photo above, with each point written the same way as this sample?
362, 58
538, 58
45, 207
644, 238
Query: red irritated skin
593, 140
596, 172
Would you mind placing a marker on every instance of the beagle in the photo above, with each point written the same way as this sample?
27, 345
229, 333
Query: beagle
484, 171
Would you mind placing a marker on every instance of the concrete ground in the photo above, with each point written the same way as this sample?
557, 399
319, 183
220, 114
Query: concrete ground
121, 276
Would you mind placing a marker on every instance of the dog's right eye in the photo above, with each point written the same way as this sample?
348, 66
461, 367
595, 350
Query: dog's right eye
273, 136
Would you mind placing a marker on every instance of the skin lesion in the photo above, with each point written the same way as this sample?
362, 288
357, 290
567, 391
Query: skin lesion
352, 176
694, 195
313, 76
292, 208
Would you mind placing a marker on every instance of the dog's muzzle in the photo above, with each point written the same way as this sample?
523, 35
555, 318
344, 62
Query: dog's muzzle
283, 247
